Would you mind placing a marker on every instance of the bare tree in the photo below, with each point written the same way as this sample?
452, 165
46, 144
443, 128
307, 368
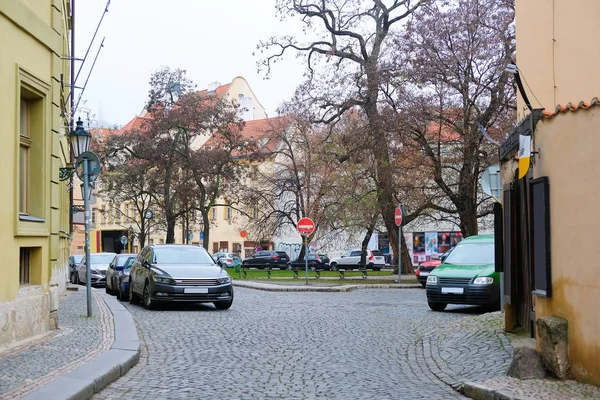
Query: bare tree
345, 60
454, 54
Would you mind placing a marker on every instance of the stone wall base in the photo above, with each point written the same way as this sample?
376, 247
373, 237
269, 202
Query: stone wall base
26, 316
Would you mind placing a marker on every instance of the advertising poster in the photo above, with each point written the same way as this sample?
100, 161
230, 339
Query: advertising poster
418, 247
431, 245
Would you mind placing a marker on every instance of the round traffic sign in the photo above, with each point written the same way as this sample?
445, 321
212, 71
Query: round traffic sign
398, 216
124, 240
306, 226
93, 165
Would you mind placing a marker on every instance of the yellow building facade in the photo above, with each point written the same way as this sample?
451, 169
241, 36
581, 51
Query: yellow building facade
559, 70
34, 70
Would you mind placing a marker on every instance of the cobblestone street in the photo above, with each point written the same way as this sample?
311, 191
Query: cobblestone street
366, 344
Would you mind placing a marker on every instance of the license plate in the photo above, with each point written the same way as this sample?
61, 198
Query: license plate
452, 290
195, 290
424, 273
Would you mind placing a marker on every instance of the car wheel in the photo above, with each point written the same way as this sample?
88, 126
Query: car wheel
267, 266
108, 291
437, 306
223, 305
146, 298
334, 267
376, 269
424, 284
118, 292
124, 296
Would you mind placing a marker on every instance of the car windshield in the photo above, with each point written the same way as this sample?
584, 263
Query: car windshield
122, 259
101, 258
182, 255
377, 253
472, 254
77, 258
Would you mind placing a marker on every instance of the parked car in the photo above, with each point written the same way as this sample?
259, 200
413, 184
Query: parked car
227, 260
318, 261
178, 272
425, 268
466, 276
115, 266
99, 263
351, 259
74, 261
267, 259
123, 280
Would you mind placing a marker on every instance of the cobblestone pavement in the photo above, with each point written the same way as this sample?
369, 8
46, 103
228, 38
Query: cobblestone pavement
26, 368
366, 344
536, 389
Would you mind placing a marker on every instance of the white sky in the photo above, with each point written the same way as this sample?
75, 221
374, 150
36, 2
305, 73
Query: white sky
212, 39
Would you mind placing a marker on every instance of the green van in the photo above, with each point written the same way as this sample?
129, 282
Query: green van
467, 276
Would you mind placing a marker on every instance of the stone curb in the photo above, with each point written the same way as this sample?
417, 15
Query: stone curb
93, 376
478, 391
269, 287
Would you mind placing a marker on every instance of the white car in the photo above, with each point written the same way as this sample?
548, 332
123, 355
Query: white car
351, 259
99, 263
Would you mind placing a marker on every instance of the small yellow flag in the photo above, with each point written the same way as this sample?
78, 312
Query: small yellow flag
524, 154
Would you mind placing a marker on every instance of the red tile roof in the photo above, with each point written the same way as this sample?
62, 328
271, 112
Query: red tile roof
219, 91
570, 107
254, 130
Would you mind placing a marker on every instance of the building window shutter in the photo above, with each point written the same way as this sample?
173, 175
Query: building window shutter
540, 236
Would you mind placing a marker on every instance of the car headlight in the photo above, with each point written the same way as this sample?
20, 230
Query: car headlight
483, 280
93, 271
432, 280
223, 280
162, 279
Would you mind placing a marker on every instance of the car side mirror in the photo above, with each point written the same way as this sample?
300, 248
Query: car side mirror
145, 263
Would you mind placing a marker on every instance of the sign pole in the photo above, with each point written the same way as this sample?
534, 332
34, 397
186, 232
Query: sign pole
399, 253
306, 257
86, 206
398, 219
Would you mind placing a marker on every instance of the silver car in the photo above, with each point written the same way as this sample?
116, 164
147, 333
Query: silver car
99, 263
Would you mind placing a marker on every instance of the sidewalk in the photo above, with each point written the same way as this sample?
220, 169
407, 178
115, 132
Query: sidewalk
327, 284
79, 358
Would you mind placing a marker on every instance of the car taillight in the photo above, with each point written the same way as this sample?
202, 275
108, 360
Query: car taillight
318, 259
371, 256
275, 258
229, 260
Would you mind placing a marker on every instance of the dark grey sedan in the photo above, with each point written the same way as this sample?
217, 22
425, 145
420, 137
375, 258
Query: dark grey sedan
179, 273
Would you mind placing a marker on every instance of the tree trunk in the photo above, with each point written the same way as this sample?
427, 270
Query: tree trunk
468, 218
205, 228
365, 243
171, 229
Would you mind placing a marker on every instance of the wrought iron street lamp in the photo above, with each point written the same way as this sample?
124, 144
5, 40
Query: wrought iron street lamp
80, 140
87, 167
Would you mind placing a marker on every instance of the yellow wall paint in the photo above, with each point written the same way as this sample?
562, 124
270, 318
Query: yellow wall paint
568, 146
555, 57
29, 51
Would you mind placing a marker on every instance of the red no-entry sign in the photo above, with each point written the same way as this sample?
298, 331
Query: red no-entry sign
306, 226
398, 216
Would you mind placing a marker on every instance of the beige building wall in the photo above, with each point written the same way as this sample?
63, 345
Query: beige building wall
556, 54
558, 59
33, 39
569, 145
